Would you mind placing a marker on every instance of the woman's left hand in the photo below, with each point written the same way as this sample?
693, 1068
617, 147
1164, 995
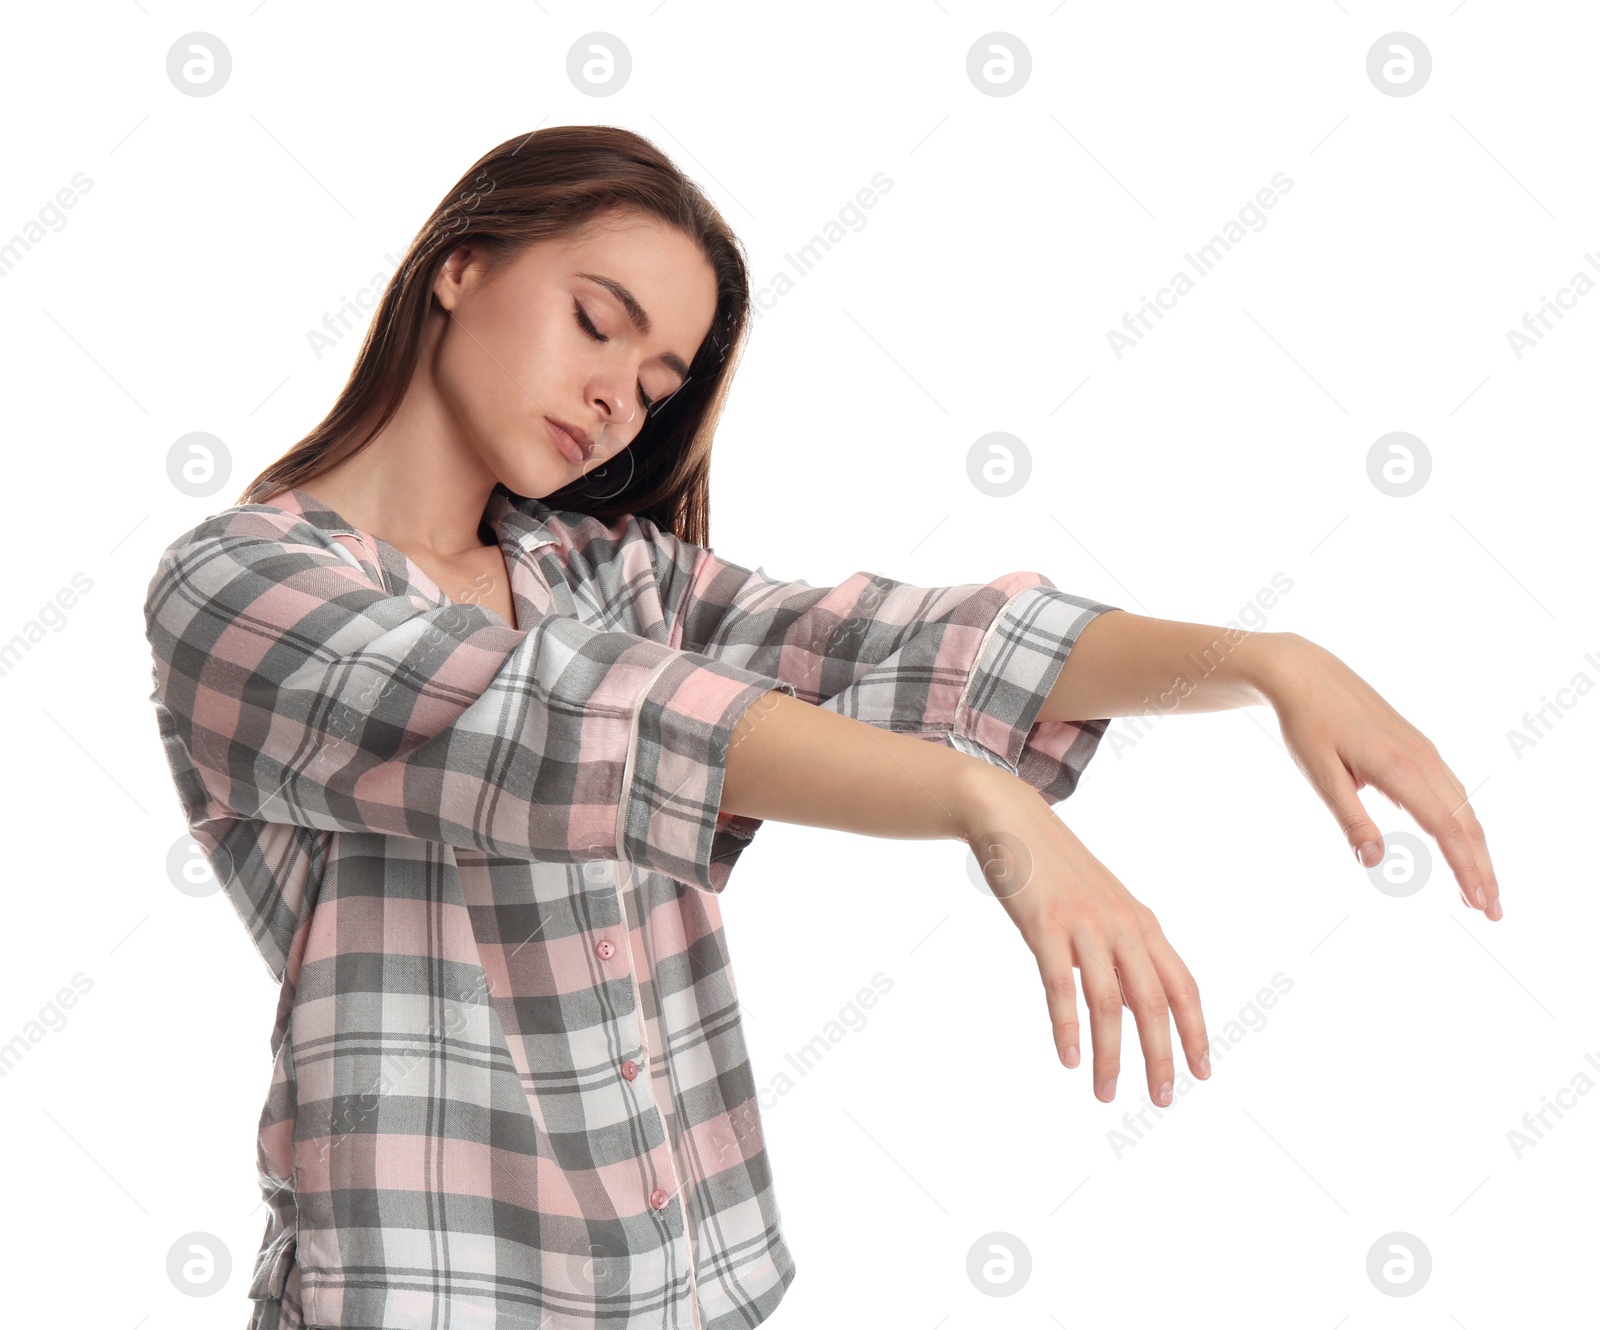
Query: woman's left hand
1343, 737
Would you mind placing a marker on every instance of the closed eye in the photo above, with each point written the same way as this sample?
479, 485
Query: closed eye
587, 325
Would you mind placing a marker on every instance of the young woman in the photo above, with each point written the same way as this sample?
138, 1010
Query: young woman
472, 726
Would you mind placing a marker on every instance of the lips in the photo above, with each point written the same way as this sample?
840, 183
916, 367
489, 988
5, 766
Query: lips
575, 446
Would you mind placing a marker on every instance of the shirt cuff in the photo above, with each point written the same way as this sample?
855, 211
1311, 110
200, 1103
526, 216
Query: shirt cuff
1017, 665
670, 817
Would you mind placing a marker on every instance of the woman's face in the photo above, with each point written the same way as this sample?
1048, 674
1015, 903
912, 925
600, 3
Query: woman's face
524, 349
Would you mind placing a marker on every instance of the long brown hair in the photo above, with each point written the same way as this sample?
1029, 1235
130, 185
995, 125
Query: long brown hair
550, 184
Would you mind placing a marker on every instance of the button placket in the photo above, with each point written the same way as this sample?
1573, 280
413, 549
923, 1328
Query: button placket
605, 948
660, 1197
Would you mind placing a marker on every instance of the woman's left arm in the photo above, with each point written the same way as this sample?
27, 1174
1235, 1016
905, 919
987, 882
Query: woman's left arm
1341, 734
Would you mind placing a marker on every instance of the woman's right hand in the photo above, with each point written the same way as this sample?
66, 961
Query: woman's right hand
1073, 912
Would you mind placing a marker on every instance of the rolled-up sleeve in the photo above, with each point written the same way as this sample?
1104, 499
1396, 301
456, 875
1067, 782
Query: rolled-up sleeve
298, 692
1011, 677
969, 665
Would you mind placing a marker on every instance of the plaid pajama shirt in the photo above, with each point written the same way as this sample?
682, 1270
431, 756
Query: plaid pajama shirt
510, 1087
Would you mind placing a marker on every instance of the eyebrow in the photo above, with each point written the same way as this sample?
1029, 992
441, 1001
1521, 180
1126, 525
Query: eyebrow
637, 317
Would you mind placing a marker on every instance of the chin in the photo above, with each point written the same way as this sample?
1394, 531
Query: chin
532, 480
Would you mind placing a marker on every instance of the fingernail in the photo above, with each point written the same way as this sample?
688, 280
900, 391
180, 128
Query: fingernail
1108, 1091
1164, 1093
1205, 1063
1072, 1056
1495, 912
1480, 896
1368, 853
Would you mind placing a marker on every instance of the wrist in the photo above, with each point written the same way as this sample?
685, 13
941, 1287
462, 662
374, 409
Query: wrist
983, 792
1277, 665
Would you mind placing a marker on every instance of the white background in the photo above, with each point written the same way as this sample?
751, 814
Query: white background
1228, 446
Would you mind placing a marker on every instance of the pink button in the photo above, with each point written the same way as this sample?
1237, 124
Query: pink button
605, 948
659, 1199
630, 1069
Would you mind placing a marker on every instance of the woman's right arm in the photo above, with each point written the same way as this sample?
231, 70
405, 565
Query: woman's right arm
291, 689
794, 762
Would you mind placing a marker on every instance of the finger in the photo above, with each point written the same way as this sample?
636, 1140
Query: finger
1406, 782
1462, 810
1453, 796
1337, 789
1103, 994
1183, 997
1060, 994
1141, 987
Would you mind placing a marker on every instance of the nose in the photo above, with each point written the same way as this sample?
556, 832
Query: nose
621, 417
